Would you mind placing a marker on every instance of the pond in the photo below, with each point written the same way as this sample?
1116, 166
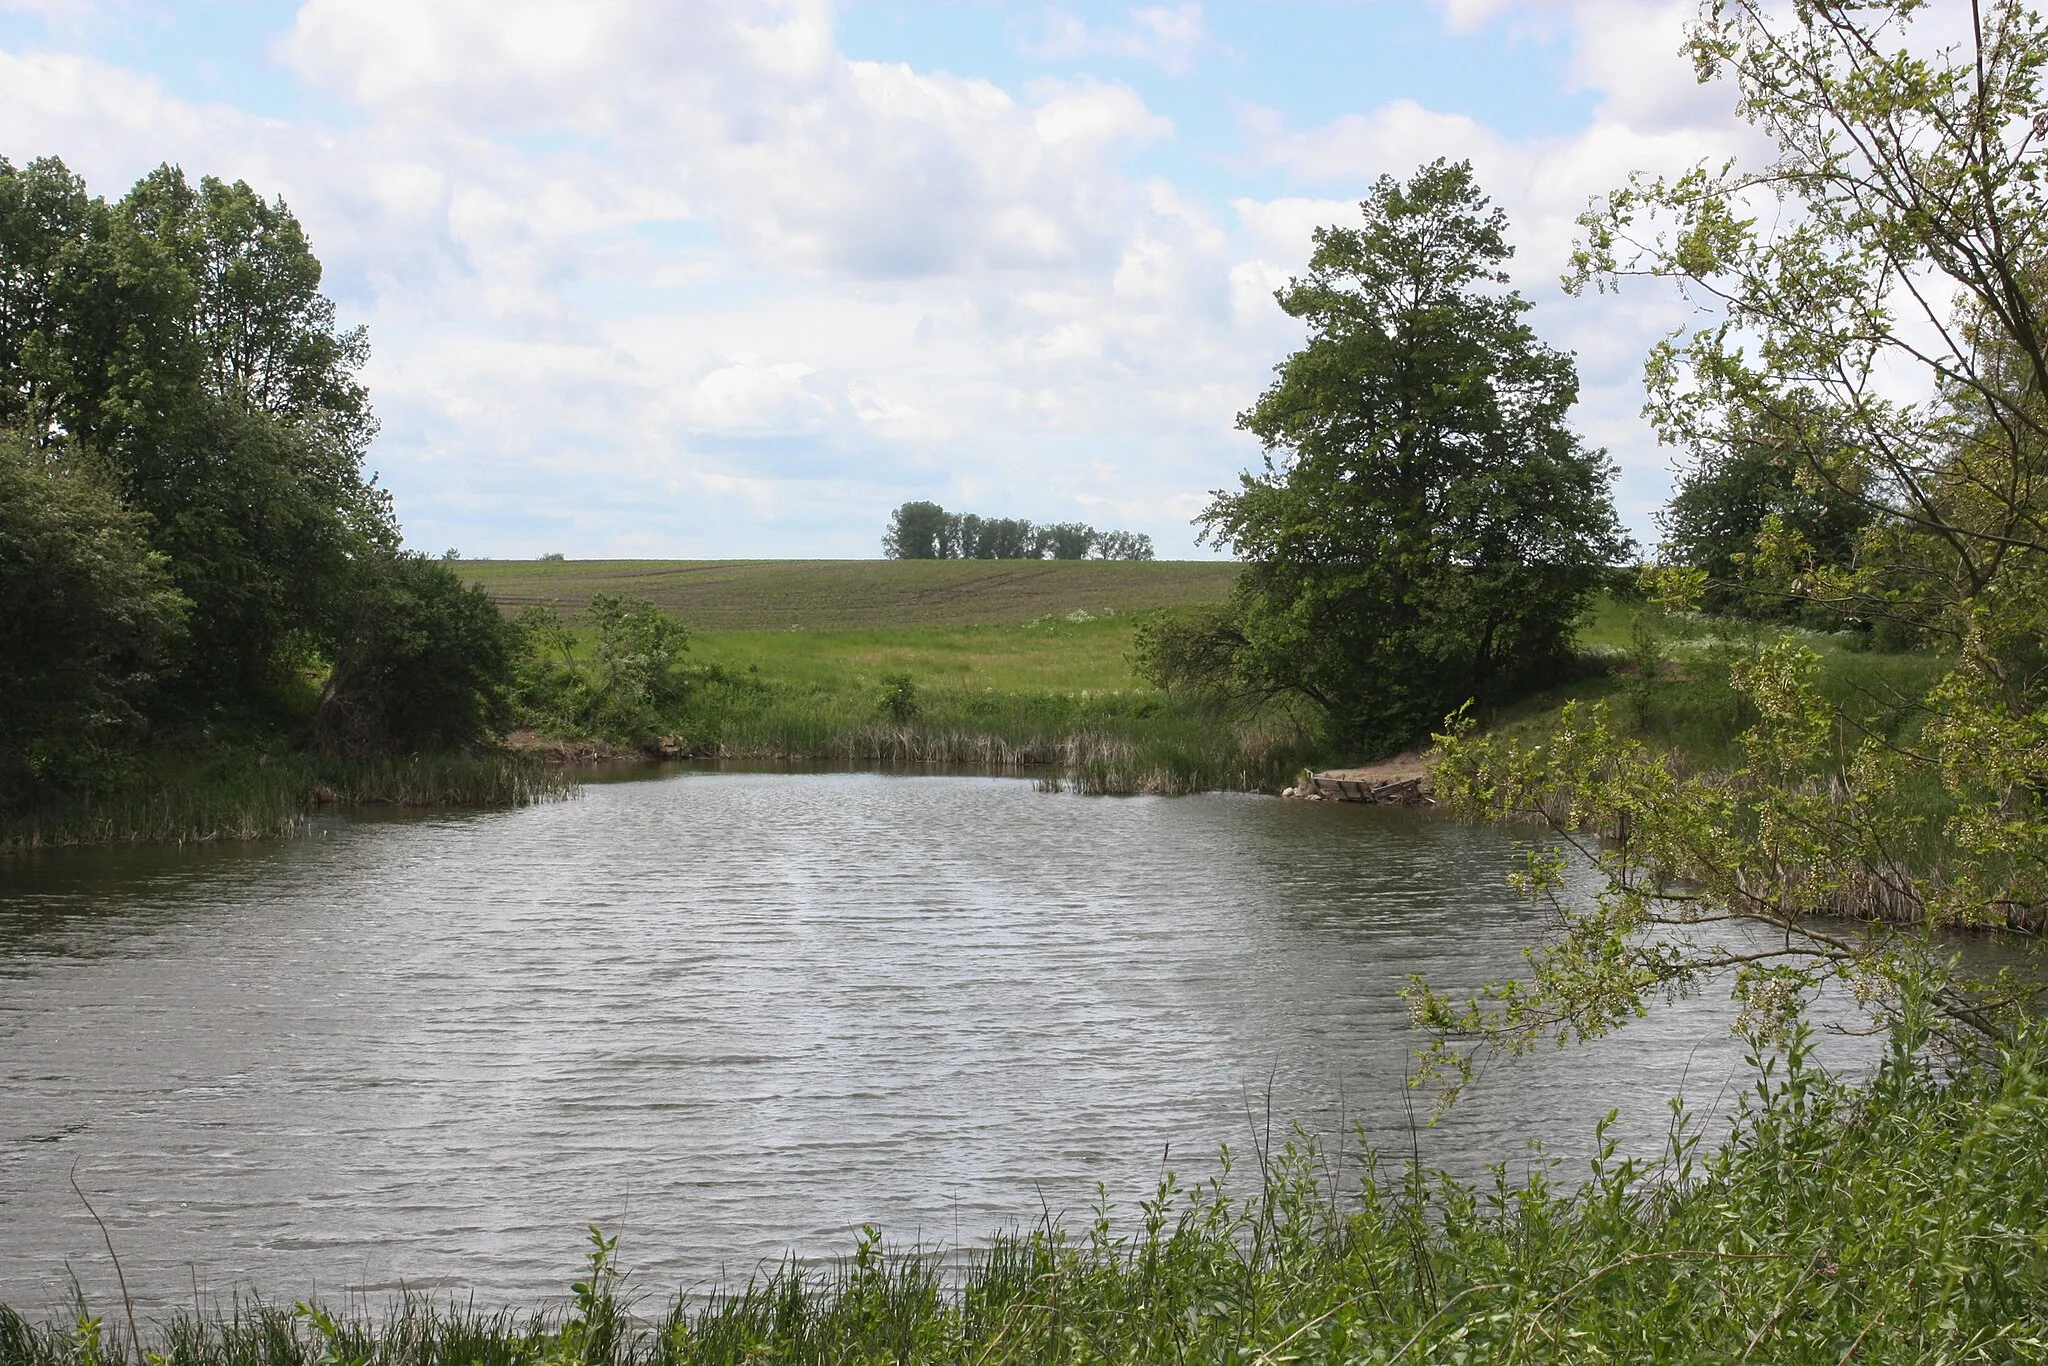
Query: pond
730, 1015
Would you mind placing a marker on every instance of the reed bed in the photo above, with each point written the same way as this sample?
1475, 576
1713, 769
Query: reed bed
1900, 1221
1108, 742
1092, 763
261, 797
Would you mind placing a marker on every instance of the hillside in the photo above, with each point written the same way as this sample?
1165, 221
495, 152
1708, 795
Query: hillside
742, 595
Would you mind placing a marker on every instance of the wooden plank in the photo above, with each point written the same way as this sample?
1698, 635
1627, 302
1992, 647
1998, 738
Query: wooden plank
1406, 790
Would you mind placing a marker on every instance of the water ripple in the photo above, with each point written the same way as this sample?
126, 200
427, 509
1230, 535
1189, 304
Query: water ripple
730, 1015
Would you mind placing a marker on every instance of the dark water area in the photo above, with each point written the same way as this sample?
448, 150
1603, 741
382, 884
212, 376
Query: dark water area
730, 1015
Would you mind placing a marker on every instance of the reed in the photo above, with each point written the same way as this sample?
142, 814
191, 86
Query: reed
1118, 741
241, 797
1153, 761
1898, 1221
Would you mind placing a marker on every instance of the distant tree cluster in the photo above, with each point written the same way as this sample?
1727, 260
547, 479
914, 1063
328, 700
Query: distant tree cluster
926, 531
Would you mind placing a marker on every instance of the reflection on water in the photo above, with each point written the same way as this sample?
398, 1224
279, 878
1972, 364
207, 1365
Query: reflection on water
731, 1015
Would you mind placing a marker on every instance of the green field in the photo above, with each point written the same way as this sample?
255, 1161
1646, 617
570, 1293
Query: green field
757, 595
1055, 655
1009, 664
1029, 662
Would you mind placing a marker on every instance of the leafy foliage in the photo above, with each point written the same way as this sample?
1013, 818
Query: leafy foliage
898, 700
628, 685
639, 658
1426, 528
1730, 501
87, 612
424, 664
1193, 651
919, 530
1902, 232
169, 363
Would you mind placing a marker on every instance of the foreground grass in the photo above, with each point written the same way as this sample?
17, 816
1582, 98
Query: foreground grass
235, 795
1902, 1222
728, 595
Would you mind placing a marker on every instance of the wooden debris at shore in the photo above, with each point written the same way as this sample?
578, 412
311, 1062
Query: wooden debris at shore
1328, 787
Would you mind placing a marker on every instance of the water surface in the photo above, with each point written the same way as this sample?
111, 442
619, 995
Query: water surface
731, 1015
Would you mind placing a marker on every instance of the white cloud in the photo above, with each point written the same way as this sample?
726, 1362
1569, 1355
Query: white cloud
750, 396
1167, 36
1649, 116
745, 115
687, 279
1392, 138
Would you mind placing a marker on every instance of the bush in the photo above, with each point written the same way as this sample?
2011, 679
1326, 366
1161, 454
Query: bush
426, 664
639, 657
628, 685
898, 701
1189, 652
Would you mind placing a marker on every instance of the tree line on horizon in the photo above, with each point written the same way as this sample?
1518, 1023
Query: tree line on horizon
926, 531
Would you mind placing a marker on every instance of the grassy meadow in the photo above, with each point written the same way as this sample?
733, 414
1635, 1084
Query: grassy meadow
1056, 695
1052, 655
1028, 664
1011, 664
1666, 680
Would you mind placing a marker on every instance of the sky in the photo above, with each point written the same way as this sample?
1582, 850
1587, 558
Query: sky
733, 278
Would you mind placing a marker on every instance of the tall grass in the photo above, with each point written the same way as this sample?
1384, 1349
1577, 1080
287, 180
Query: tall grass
1669, 678
1900, 1222
240, 796
1114, 742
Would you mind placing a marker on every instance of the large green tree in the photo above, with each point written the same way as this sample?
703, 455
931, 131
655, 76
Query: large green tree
46, 217
920, 530
179, 336
1732, 499
177, 345
1426, 528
